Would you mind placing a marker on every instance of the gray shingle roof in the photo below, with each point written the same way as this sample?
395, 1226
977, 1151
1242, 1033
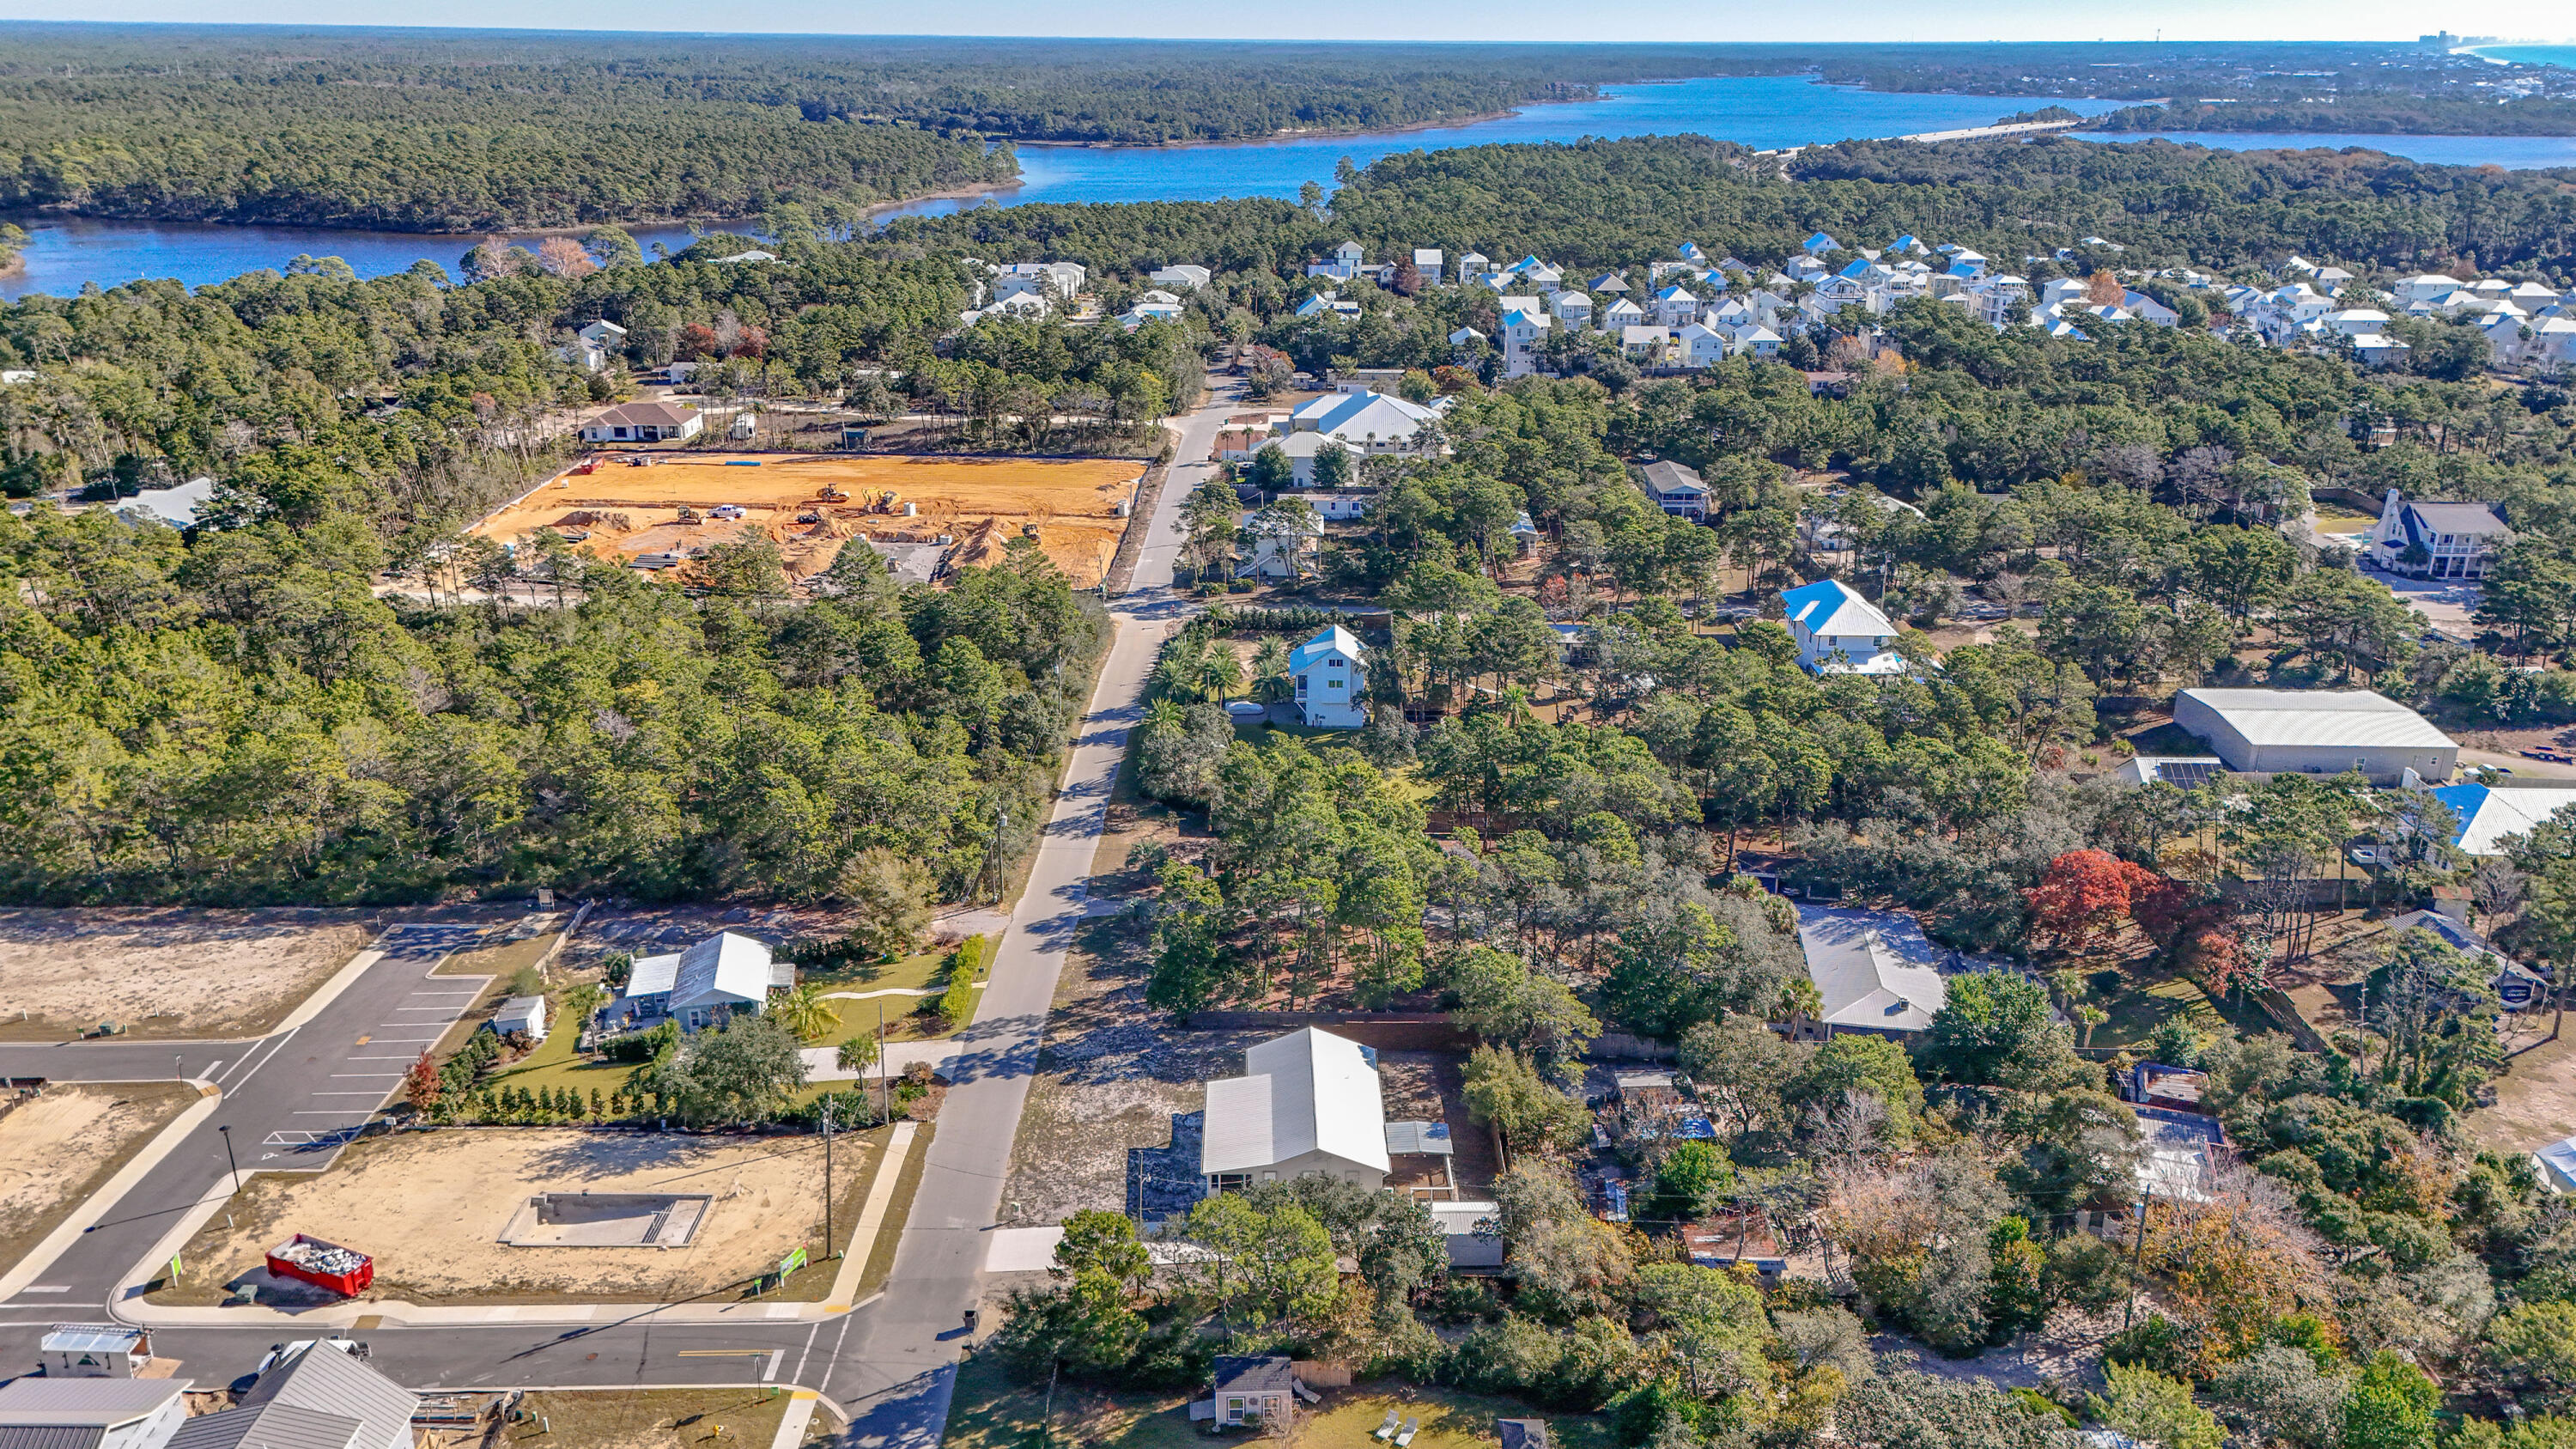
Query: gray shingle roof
1240, 1373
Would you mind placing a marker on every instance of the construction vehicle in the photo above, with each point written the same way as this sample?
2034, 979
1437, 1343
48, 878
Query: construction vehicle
830, 494
885, 502
688, 516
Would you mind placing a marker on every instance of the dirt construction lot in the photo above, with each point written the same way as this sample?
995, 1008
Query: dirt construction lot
980, 503
57, 1148
166, 973
430, 1207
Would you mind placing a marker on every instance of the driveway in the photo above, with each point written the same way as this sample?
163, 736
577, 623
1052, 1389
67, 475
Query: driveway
2448, 603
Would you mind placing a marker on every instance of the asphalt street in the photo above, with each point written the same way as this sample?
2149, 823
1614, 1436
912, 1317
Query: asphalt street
292, 1099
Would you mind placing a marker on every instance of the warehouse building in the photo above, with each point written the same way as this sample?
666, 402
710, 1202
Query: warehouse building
2316, 732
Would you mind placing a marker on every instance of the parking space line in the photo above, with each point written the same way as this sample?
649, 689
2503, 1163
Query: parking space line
344, 1094
367, 1076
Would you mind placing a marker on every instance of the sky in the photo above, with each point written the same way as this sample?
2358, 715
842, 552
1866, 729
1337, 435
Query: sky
1629, 20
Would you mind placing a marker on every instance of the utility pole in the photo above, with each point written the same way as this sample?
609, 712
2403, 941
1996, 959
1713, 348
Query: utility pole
2138, 1263
827, 1179
229, 1160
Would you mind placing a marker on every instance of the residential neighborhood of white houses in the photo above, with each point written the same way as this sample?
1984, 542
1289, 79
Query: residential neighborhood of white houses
1119, 826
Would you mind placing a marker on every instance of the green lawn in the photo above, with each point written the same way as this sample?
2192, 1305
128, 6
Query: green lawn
2138, 1008
1450, 1420
989, 1411
916, 971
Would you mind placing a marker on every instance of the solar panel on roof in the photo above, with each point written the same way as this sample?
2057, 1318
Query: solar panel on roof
2189, 776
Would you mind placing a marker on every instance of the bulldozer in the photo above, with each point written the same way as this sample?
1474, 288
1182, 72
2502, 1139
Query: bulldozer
688, 516
830, 494
885, 502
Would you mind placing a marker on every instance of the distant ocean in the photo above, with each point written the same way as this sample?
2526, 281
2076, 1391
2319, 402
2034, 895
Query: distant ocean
2533, 54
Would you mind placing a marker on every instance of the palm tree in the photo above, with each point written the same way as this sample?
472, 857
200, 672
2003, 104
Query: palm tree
1220, 673
1270, 669
805, 1012
2091, 1016
857, 1054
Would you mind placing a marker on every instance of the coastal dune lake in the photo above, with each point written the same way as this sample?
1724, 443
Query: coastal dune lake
1765, 112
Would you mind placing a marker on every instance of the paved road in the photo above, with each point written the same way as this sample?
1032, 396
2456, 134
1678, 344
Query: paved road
290, 1097
905, 1350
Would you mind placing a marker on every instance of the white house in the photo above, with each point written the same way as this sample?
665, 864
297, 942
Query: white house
1371, 424
705, 984
317, 1395
1675, 306
603, 334
1839, 632
2488, 816
1525, 330
1702, 346
643, 422
1308, 1104
1281, 550
1054, 282
1427, 263
1338, 505
1331, 671
1574, 309
1622, 314
1344, 264
91, 1413
1184, 274
2316, 732
2377, 350
1875, 970
1646, 344
1675, 489
2454, 540
521, 1016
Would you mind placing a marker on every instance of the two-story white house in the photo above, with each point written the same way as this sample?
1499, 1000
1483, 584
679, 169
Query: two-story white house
1839, 632
1345, 262
1330, 671
2454, 540
1053, 282
1525, 329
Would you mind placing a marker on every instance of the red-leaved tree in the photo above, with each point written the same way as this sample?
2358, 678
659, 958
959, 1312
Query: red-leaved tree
2085, 892
421, 1086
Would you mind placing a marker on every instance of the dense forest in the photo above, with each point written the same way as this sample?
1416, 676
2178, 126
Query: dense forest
240, 715
1613, 203
472, 130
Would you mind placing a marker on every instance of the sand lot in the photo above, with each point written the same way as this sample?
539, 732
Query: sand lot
980, 503
166, 973
56, 1148
430, 1207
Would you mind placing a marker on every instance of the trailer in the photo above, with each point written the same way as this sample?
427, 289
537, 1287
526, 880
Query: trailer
308, 1259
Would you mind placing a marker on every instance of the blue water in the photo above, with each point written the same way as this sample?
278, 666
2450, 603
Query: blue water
62, 254
2514, 153
2532, 54
1766, 112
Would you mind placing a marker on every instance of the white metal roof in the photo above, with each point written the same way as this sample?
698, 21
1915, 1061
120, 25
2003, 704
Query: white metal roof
101, 1402
2335, 717
1874, 969
1829, 610
2488, 815
1333, 639
1308, 1091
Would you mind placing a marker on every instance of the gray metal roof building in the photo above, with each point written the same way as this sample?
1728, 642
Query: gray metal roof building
2316, 732
1876, 970
317, 1398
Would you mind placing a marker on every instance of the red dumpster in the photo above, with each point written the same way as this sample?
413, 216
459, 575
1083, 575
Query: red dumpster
308, 1259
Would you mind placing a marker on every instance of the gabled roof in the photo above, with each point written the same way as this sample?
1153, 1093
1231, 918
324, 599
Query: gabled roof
2488, 815
1332, 639
1829, 610
1874, 969
2455, 518
1668, 479
92, 1403
649, 413
324, 1380
1254, 1373
273, 1426
1308, 1091
2334, 717
723, 965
